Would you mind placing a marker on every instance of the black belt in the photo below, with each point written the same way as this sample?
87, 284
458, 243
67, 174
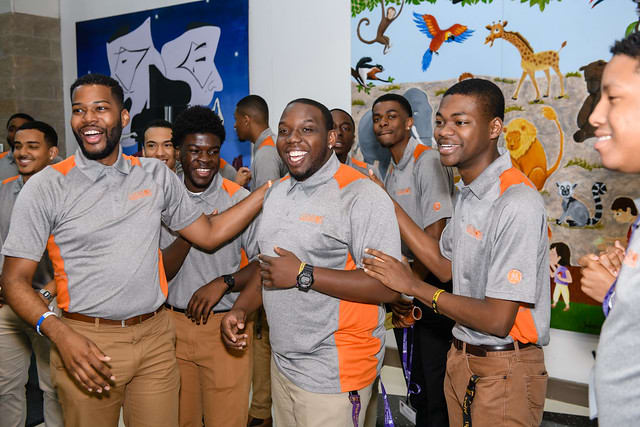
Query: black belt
184, 311
482, 350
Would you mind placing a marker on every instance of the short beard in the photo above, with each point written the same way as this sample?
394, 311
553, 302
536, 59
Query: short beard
113, 139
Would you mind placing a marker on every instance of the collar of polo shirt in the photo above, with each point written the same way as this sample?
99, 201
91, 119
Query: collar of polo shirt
490, 175
407, 156
216, 183
19, 185
322, 175
94, 169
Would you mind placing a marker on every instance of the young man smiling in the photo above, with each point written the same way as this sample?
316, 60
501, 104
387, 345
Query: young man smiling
35, 146
158, 143
496, 250
99, 214
214, 380
8, 167
345, 129
325, 314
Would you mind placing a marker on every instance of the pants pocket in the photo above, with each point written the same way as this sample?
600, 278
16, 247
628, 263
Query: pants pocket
536, 394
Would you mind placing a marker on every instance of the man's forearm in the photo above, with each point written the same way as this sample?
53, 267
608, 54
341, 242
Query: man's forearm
352, 285
243, 276
423, 245
174, 255
250, 298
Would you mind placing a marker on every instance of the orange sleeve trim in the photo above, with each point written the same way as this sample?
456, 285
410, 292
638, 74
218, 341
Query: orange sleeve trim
359, 163
268, 142
6, 153
244, 259
59, 274
419, 150
524, 328
230, 187
164, 286
65, 166
223, 163
513, 176
8, 180
346, 175
284, 178
135, 161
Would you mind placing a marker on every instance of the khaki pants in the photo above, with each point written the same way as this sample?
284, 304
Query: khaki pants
143, 360
511, 390
295, 407
214, 381
261, 378
17, 340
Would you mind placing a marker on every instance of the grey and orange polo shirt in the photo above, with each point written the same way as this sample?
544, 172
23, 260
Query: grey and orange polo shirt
321, 343
362, 167
101, 227
9, 190
266, 163
201, 267
8, 167
421, 186
497, 243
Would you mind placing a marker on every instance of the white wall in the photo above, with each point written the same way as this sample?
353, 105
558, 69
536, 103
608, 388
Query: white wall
292, 51
49, 8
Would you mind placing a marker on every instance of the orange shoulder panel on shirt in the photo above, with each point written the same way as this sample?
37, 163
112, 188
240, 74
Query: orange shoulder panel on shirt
4, 154
268, 142
135, 161
230, 187
513, 176
59, 274
66, 165
359, 163
419, 150
346, 175
244, 259
162, 275
524, 328
223, 163
13, 178
284, 178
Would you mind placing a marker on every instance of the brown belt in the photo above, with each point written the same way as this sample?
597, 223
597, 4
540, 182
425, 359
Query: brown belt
135, 320
482, 350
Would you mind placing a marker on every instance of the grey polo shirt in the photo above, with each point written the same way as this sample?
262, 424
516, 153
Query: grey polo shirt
266, 163
201, 267
101, 227
498, 245
362, 167
8, 167
227, 170
421, 186
617, 370
321, 343
9, 190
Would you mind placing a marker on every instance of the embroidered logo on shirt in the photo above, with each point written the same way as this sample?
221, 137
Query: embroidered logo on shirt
403, 191
311, 218
136, 195
631, 259
514, 276
474, 232
437, 206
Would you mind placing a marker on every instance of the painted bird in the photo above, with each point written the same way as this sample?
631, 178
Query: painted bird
596, 3
428, 25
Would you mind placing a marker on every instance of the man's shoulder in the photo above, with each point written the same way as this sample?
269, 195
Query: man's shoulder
234, 191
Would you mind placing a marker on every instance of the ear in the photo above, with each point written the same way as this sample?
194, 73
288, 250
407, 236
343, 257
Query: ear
495, 128
124, 117
409, 122
574, 186
331, 138
53, 153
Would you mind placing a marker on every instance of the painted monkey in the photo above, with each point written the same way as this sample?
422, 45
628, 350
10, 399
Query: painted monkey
386, 20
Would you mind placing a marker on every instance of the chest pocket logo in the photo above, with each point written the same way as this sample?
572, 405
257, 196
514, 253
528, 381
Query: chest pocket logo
474, 232
314, 219
137, 195
403, 191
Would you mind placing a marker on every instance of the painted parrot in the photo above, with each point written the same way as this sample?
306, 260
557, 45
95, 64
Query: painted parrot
596, 3
428, 25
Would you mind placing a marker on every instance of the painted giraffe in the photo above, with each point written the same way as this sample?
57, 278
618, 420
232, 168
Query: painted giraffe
531, 61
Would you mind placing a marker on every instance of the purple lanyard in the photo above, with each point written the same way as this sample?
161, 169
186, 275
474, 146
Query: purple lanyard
407, 363
610, 297
388, 418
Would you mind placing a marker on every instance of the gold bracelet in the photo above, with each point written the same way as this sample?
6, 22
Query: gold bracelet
302, 265
434, 300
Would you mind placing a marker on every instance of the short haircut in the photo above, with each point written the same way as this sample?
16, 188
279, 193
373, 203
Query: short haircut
353, 123
20, 116
326, 114
100, 80
629, 46
50, 135
485, 91
397, 98
158, 123
563, 252
197, 119
624, 203
255, 106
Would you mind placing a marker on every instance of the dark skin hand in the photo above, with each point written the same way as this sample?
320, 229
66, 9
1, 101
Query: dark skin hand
423, 243
596, 279
489, 315
82, 358
204, 299
282, 271
234, 322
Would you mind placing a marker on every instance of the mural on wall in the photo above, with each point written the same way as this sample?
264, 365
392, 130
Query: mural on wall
535, 52
170, 58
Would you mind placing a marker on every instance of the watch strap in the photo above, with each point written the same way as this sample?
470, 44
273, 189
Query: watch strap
230, 281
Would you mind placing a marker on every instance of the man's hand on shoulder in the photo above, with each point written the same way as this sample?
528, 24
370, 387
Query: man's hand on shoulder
232, 329
204, 299
389, 271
